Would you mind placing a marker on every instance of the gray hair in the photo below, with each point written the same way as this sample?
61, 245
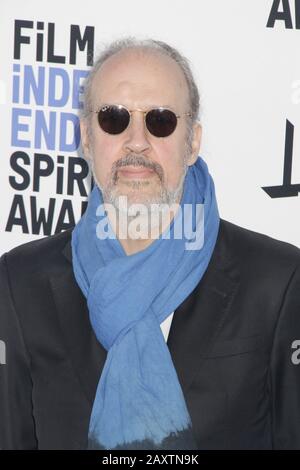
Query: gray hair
143, 44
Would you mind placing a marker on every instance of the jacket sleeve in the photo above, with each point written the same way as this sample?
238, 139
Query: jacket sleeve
17, 430
285, 370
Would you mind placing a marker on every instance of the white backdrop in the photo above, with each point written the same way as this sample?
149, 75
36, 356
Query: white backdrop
245, 56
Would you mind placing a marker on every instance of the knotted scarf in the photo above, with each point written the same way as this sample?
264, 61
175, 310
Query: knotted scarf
139, 403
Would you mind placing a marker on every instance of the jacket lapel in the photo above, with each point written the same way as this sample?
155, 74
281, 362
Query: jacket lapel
87, 354
198, 320
195, 325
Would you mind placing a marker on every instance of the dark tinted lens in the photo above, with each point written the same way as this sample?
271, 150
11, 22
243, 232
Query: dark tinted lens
161, 122
113, 119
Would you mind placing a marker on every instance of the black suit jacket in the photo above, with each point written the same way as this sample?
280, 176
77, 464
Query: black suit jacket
231, 342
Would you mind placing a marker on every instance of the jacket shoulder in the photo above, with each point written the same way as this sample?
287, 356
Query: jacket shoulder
34, 256
253, 248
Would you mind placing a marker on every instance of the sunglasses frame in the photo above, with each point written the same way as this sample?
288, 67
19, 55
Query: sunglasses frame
130, 111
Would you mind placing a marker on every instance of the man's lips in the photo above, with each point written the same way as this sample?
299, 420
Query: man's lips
136, 172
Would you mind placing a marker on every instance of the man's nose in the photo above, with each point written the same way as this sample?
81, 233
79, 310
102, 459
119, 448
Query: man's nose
136, 134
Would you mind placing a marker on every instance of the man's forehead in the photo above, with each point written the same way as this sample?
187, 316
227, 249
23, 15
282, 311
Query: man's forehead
154, 61
136, 94
156, 79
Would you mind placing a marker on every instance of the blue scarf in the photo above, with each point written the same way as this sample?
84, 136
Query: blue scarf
139, 403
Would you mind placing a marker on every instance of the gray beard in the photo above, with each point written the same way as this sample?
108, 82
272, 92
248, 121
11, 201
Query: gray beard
166, 196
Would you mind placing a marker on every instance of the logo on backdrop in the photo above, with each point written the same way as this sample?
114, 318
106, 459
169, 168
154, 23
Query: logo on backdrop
286, 189
287, 14
45, 134
281, 12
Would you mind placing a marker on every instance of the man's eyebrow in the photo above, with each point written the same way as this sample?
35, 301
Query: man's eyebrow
149, 106
169, 106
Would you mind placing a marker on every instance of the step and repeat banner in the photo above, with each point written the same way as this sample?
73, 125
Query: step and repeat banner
245, 56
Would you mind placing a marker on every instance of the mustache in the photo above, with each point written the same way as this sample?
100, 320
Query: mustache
133, 159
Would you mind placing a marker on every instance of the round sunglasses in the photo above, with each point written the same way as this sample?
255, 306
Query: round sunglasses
160, 122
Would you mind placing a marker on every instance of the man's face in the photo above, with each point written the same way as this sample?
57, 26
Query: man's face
135, 163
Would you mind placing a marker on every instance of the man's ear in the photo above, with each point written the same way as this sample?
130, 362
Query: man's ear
196, 142
85, 143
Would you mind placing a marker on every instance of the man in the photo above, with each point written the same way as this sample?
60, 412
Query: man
141, 342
